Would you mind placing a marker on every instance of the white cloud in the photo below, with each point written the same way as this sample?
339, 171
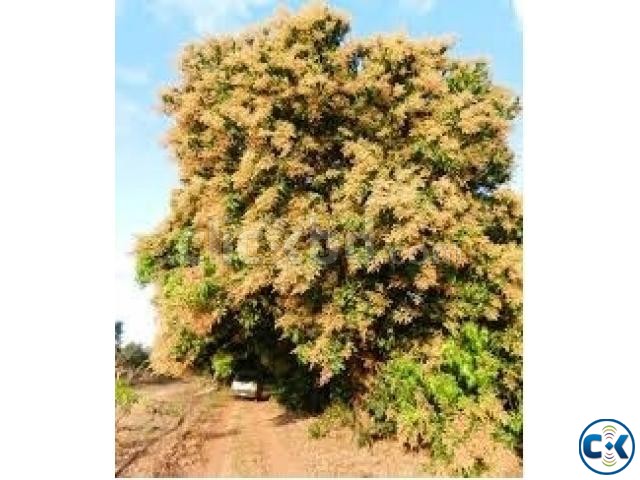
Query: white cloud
420, 7
133, 304
207, 16
132, 76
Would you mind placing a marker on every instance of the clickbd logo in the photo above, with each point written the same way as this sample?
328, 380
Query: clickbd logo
607, 446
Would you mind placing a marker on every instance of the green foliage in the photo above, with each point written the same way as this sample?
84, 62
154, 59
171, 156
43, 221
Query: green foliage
222, 364
188, 346
473, 78
299, 391
469, 359
512, 429
473, 299
416, 401
234, 206
337, 415
397, 401
145, 268
251, 314
183, 251
125, 394
443, 390
201, 295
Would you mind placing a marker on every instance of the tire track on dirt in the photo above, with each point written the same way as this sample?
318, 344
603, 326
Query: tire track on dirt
246, 440
218, 449
279, 454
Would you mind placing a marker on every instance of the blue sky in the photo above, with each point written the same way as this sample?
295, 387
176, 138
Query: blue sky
149, 36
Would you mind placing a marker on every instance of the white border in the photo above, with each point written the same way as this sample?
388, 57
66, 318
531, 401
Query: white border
57, 238
581, 172
581, 99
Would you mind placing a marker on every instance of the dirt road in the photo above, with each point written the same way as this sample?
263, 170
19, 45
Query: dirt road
262, 439
189, 430
250, 440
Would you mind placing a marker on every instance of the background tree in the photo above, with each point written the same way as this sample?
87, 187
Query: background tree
342, 223
119, 332
134, 355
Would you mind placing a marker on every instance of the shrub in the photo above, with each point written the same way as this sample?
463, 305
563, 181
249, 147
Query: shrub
125, 394
337, 415
222, 364
299, 391
443, 402
397, 402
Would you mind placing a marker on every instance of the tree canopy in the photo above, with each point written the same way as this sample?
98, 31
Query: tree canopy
342, 213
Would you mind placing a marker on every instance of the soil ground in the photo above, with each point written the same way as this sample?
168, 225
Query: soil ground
189, 429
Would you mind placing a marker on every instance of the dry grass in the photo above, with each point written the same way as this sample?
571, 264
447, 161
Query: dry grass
163, 433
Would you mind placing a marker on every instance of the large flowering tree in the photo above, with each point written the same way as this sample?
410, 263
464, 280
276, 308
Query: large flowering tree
342, 203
